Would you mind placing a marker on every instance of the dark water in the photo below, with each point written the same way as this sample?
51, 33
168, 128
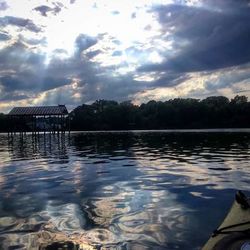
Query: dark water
119, 190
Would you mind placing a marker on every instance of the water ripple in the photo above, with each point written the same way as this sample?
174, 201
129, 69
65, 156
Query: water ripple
118, 190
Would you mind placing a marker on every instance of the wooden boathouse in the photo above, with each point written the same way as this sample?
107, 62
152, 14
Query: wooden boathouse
52, 119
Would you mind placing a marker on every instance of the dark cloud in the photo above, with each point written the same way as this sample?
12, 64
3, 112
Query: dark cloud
84, 42
3, 6
227, 78
4, 37
211, 38
27, 82
97, 82
17, 56
92, 54
94, 81
33, 41
226, 4
25, 70
12, 97
206, 39
44, 9
133, 15
60, 52
169, 80
104, 86
19, 22
52, 82
210, 42
11, 83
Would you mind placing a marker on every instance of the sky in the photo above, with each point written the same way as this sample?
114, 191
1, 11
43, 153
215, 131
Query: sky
77, 51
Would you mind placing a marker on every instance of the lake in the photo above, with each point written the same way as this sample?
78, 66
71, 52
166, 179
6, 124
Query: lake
119, 190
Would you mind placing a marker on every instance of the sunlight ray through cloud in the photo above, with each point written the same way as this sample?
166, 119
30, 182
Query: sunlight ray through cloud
145, 45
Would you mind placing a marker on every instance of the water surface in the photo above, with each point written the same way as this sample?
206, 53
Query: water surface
128, 190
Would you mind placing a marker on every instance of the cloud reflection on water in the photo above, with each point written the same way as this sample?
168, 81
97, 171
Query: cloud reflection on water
119, 190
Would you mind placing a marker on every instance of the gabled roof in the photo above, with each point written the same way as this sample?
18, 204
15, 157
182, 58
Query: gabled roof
42, 110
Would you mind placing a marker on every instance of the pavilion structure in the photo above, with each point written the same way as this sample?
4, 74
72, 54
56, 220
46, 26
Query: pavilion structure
52, 119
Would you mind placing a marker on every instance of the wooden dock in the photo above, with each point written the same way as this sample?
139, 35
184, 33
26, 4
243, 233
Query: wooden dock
42, 119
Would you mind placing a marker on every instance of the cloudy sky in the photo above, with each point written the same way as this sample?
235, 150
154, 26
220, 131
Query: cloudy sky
77, 51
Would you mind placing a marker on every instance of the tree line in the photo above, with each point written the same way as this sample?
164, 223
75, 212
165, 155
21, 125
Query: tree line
178, 113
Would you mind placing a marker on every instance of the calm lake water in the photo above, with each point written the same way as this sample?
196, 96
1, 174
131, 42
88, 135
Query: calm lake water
141, 190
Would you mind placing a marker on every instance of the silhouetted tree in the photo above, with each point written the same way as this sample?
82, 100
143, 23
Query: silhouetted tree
239, 99
211, 112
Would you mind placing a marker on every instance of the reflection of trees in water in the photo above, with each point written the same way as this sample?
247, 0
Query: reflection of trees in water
159, 143
105, 142
190, 165
30, 178
183, 145
38, 146
113, 188
175, 158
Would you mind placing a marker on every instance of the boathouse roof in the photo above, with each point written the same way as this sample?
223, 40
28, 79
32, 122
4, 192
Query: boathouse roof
41, 110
